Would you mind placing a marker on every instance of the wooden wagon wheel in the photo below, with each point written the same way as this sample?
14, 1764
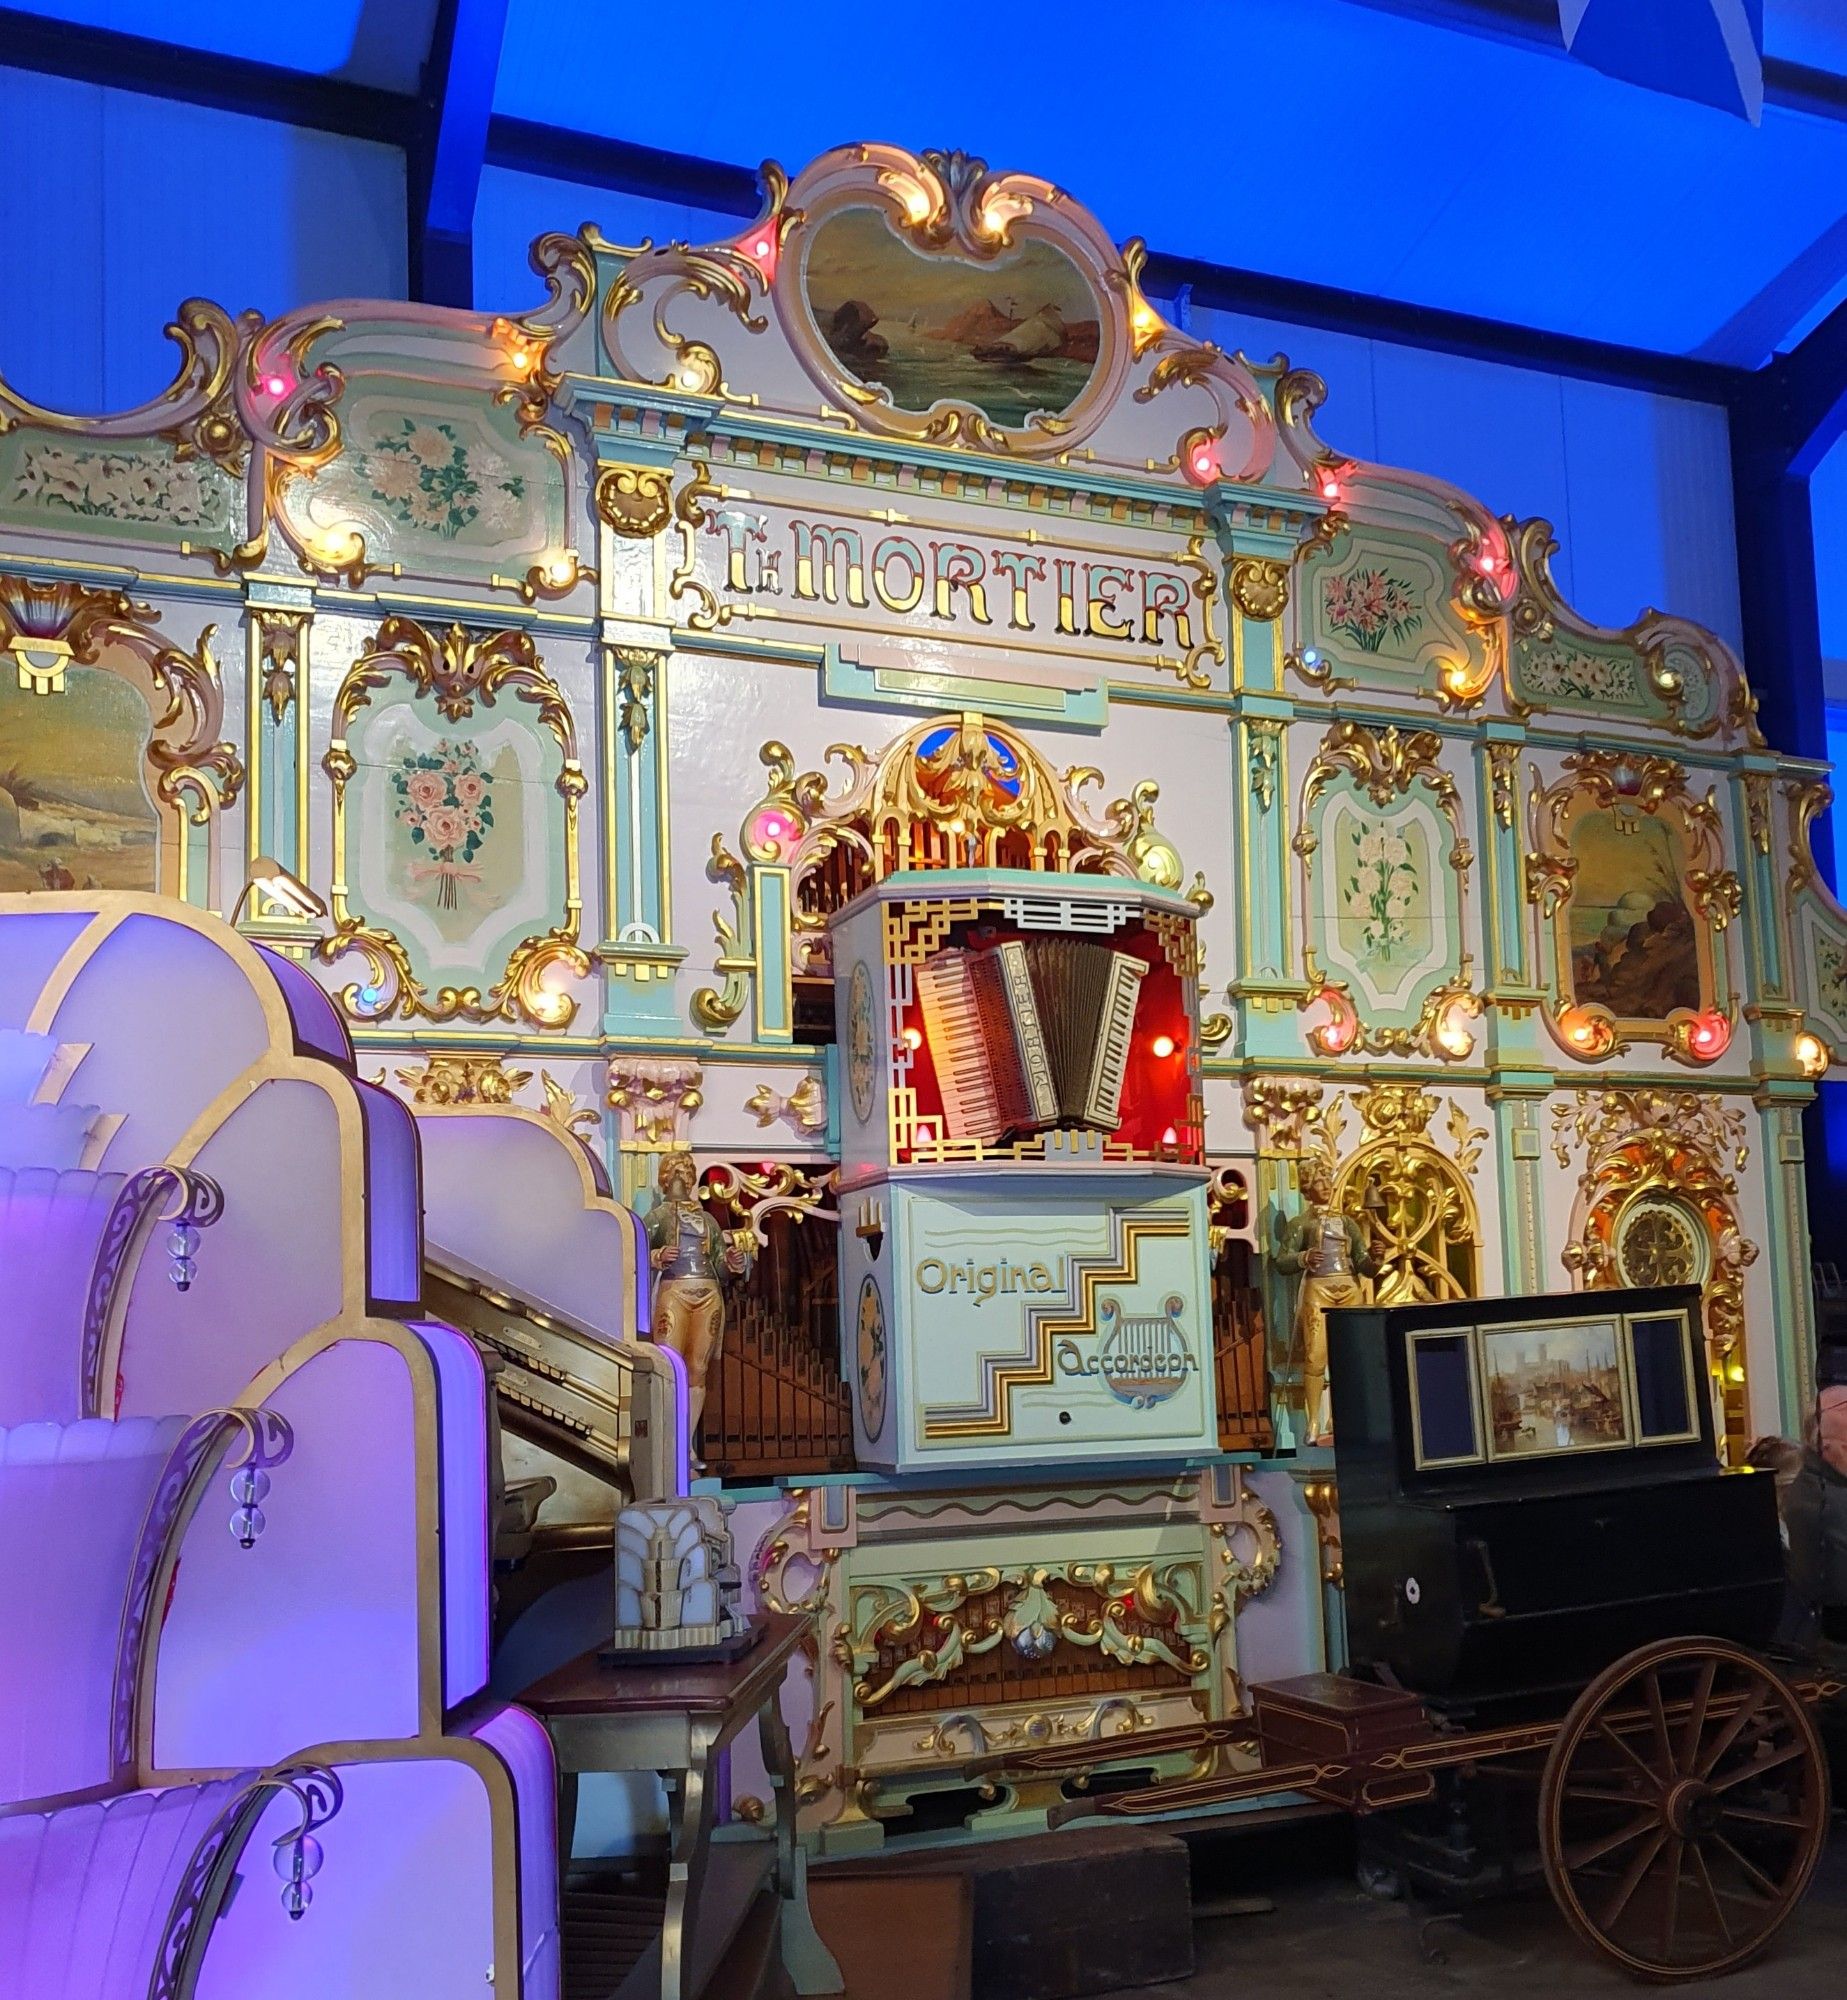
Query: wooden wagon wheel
1682, 1809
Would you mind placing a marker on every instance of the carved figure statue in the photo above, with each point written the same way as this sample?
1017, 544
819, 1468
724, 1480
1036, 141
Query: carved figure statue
1328, 1251
691, 1257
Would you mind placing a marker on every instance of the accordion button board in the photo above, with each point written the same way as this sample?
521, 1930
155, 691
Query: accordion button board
1025, 1261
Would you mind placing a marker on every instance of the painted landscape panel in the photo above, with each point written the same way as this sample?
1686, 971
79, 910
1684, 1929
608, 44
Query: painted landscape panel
1010, 337
1553, 1389
74, 806
1634, 941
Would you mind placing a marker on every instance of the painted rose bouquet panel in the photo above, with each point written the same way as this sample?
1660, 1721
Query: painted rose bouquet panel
446, 803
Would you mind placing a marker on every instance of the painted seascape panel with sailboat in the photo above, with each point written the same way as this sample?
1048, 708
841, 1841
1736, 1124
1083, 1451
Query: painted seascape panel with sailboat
1011, 337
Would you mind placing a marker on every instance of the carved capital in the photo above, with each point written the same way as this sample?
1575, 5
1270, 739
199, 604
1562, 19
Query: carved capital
654, 1099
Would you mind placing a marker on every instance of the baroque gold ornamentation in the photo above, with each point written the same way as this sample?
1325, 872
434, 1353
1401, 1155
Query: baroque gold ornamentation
279, 643
804, 1109
1280, 1110
1264, 734
1503, 780
462, 1079
457, 669
568, 266
980, 797
1384, 764
1151, 1615
1630, 785
654, 1098
771, 1187
1757, 808
1679, 1150
1808, 798
1539, 615
1322, 1498
1413, 1202
1260, 587
636, 668
635, 500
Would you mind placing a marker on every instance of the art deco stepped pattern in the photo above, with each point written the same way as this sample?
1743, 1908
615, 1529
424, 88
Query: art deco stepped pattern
219, 1487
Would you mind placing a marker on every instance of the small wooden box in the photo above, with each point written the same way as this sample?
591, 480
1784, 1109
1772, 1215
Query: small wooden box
1343, 1725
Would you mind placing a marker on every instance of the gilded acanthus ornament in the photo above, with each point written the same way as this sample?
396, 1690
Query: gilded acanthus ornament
1280, 1110
654, 1098
804, 1109
459, 1079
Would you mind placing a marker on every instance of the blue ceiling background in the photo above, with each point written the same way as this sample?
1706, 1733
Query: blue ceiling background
1438, 153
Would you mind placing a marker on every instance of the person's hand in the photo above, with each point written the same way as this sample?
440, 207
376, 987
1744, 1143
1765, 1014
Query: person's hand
662, 1257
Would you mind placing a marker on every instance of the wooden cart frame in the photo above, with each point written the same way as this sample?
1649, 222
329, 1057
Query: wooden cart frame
1681, 1802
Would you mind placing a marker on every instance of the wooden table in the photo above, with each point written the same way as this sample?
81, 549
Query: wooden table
674, 1719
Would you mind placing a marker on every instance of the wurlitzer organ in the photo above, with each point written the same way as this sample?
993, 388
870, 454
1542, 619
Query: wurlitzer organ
1024, 1268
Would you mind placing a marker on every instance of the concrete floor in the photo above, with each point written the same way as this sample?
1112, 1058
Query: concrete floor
1325, 1940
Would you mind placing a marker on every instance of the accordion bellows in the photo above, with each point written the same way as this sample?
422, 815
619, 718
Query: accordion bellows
1029, 1036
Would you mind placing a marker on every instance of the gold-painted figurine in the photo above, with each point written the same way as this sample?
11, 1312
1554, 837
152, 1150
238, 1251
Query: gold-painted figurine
1328, 1250
692, 1257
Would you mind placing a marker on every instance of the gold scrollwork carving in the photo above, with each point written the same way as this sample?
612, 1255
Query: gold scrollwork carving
1413, 1203
636, 669
636, 501
961, 791
911, 1635
462, 1079
1808, 799
1632, 787
457, 669
654, 1098
1322, 1499
1260, 587
1503, 780
1280, 1110
1384, 764
804, 1109
1539, 615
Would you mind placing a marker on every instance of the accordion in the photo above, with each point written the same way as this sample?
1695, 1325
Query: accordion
1029, 1036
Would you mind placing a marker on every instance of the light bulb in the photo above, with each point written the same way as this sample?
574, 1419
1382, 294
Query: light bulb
1162, 1045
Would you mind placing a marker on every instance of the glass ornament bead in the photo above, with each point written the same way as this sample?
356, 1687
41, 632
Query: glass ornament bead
296, 1897
309, 1851
249, 1485
182, 1240
182, 1271
247, 1524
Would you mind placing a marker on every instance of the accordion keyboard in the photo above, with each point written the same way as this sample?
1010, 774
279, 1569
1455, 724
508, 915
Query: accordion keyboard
958, 1046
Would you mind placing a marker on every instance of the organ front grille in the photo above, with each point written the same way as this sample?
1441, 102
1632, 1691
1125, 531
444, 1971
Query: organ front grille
1030, 1035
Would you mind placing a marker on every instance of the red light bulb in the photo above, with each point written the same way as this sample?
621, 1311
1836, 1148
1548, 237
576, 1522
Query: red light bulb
1162, 1045
277, 385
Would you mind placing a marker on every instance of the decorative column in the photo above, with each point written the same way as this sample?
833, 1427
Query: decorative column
1780, 1105
279, 624
1279, 1110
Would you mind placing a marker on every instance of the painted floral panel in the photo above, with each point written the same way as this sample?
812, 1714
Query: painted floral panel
1380, 901
445, 485
131, 486
454, 834
74, 806
1379, 606
1370, 605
